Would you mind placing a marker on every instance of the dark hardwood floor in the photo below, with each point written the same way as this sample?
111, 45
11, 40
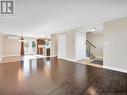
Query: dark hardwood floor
52, 76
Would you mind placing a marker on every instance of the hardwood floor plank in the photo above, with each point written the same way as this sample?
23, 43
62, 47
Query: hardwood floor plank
52, 76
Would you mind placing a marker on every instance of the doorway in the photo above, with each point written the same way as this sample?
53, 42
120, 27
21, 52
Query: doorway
30, 46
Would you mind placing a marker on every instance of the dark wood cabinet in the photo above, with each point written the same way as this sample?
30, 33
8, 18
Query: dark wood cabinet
40, 43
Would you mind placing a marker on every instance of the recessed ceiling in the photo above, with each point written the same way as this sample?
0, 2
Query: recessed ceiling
39, 18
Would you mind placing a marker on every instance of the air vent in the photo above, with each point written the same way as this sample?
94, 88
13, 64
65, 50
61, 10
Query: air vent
12, 37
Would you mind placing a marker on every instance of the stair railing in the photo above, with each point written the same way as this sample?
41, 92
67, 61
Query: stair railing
90, 49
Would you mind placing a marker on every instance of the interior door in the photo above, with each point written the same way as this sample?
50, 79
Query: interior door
80, 46
62, 46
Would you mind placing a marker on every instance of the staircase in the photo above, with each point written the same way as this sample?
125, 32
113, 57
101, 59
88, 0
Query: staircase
90, 49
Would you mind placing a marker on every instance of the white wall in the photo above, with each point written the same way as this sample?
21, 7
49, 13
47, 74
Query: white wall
80, 46
115, 44
11, 47
96, 39
1, 47
72, 46
62, 45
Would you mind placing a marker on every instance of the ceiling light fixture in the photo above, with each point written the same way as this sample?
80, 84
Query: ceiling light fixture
21, 38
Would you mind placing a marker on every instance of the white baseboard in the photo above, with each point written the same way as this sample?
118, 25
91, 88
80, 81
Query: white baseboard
115, 69
82, 59
10, 56
72, 60
99, 57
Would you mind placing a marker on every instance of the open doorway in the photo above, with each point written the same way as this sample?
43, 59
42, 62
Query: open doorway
94, 47
30, 46
43, 46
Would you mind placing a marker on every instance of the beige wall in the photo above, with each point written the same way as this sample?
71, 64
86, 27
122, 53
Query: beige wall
71, 45
54, 45
100, 45
1, 51
115, 44
11, 47
97, 40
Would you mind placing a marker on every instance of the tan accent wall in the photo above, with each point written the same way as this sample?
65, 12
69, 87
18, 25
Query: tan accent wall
115, 44
71, 45
11, 47
54, 45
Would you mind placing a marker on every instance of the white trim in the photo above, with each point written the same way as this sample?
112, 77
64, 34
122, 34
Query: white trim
115, 69
10, 55
73, 60
26, 55
82, 59
68, 59
43, 56
99, 57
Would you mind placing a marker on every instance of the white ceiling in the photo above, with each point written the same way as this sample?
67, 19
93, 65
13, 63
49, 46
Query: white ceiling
38, 18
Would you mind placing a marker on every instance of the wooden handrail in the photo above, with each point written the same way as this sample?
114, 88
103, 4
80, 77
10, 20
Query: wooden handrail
90, 43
